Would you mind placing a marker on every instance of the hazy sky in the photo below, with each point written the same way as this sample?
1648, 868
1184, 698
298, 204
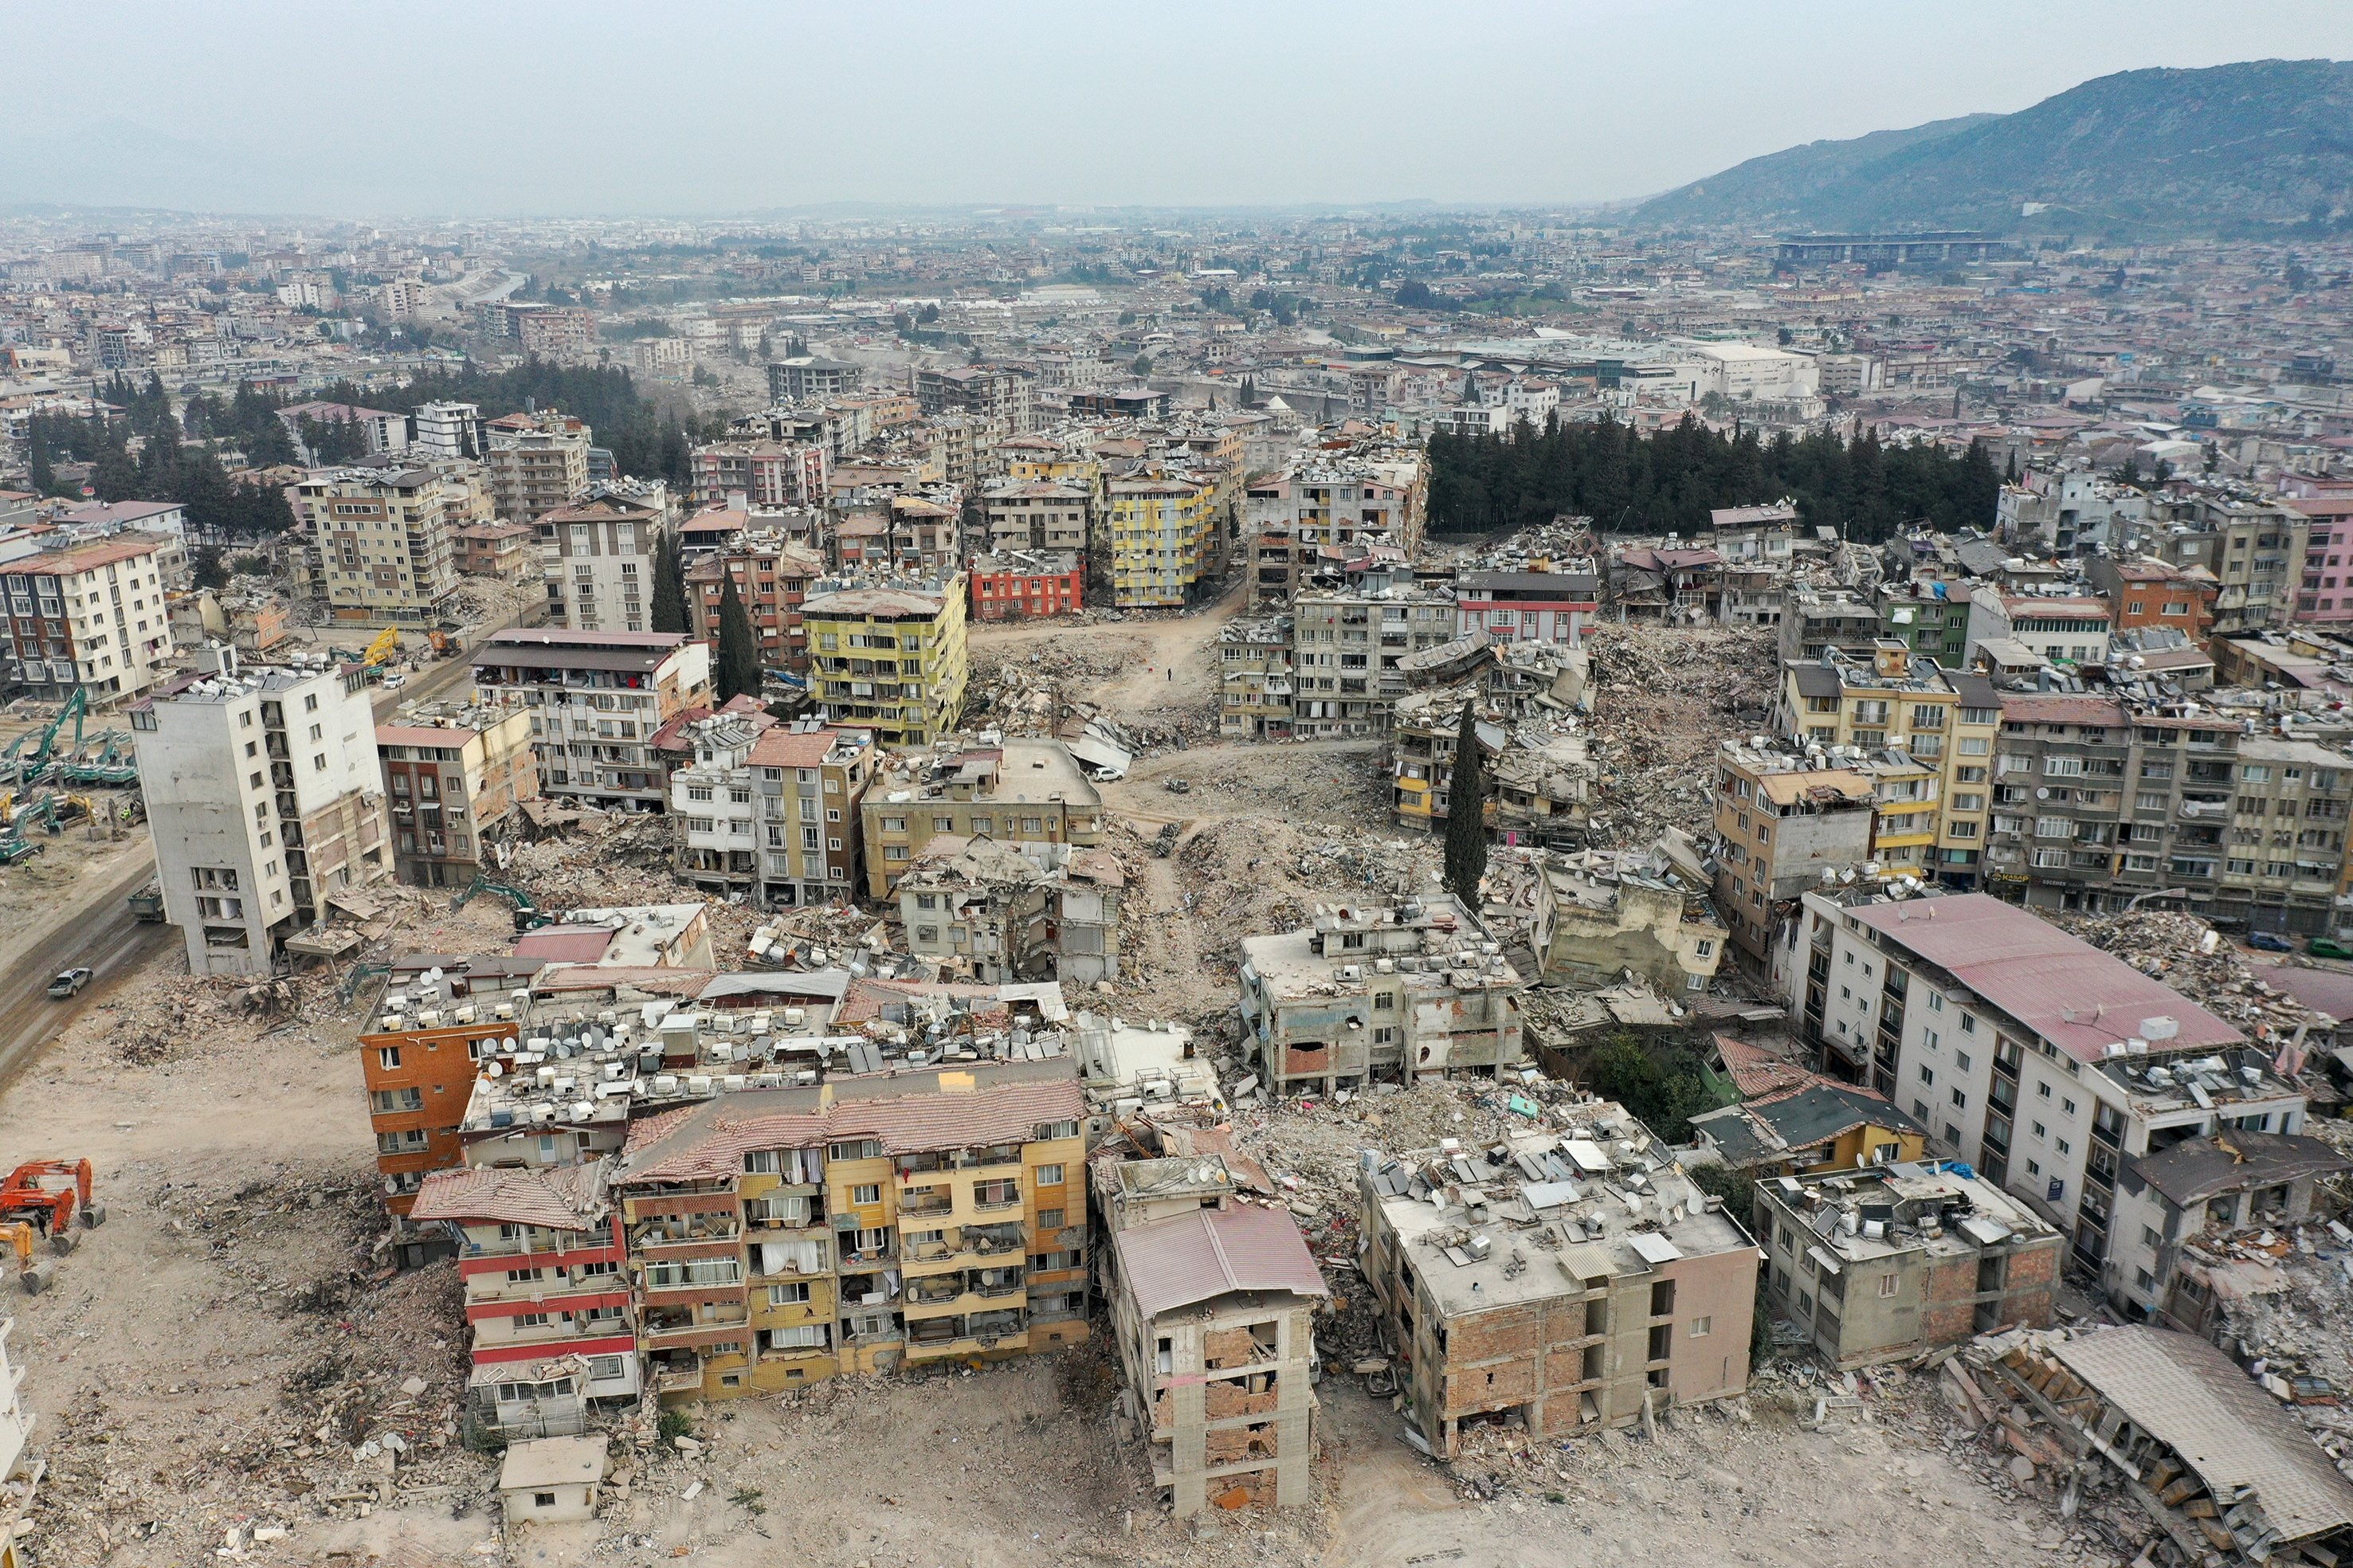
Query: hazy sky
524, 108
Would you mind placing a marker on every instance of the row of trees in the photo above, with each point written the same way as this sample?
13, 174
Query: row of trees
166, 469
647, 441
1631, 483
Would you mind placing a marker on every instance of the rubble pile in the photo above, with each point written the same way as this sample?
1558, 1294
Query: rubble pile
362, 1398
1030, 690
618, 859
2193, 958
2292, 1329
1665, 699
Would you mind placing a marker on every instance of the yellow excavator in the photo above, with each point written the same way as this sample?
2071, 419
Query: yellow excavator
384, 649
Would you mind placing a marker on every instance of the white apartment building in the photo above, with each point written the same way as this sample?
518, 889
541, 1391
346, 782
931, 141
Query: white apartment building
598, 555
450, 430
2033, 1055
20, 1473
597, 700
265, 796
90, 619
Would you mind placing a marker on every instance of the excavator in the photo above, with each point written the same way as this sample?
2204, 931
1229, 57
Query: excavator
384, 649
28, 1196
33, 1276
25, 770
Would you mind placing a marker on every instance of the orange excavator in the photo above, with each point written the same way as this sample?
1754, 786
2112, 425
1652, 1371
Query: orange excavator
47, 1194
34, 1277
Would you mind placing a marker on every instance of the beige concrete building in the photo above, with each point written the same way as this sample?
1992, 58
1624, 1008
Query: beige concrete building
1599, 912
454, 778
536, 464
1024, 791
375, 547
90, 619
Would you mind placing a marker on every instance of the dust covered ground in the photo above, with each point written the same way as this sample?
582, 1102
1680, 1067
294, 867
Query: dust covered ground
228, 1365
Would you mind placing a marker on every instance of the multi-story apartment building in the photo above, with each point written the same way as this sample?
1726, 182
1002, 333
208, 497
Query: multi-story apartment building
1038, 514
1925, 615
1639, 1303
454, 778
564, 333
711, 796
90, 619
773, 577
809, 785
1379, 993
1782, 820
263, 792
506, 551
1160, 539
2148, 592
1024, 791
888, 657
376, 548
598, 556
2095, 802
2039, 1060
2255, 552
544, 1261
805, 376
1003, 395
1527, 606
596, 701
778, 1237
1213, 1304
767, 473
1318, 509
1945, 721
1953, 1257
20, 1470
419, 1074
1026, 584
1255, 679
449, 431
537, 463
2284, 852
1345, 645
1815, 621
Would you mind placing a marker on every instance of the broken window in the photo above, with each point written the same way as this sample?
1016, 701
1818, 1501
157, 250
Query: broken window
1662, 1298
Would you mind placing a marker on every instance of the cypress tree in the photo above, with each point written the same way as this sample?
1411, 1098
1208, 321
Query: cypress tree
739, 652
1466, 813
669, 587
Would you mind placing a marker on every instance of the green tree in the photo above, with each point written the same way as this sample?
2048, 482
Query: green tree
1466, 813
208, 569
1416, 295
739, 652
670, 588
1143, 365
37, 468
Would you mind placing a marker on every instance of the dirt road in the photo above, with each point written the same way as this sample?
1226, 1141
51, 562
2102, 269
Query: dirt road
98, 931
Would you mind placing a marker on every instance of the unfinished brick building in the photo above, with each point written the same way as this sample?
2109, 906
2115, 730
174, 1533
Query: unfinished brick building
1554, 1280
1214, 1310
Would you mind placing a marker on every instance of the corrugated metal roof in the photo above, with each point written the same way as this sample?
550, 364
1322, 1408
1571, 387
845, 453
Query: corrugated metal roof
2189, 1396
2068, 991
1194, 1256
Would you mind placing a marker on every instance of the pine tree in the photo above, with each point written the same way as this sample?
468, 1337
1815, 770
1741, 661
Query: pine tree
670, 588
739, 652
1466, 813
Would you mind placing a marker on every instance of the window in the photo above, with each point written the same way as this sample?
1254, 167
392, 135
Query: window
1888, 1284
1702, 1327
1050, 1175
789, 1295
1050, 1219
870, 1192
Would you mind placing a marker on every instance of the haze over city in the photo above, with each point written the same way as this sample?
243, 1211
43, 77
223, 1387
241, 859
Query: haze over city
1215, 787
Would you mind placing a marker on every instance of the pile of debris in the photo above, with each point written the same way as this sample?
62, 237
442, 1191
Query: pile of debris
1664, 700
2192, 957
619, 859
1030, 690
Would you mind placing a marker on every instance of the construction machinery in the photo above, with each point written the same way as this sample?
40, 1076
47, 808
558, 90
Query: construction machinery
384, 649
528, 915
146, 905
30, 768
49, 1196
34, 1277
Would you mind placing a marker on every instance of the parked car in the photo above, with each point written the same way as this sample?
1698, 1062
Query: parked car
2269, 941
70, 982
395, 683
2328, 947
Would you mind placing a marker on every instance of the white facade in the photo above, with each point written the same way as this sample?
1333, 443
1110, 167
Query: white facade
450, 430
2053, 1117
265, 796
16, 1437
91, 617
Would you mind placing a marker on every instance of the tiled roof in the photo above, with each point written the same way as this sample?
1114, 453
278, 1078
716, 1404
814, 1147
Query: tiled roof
561, 1197
948, 1108
1208, 1253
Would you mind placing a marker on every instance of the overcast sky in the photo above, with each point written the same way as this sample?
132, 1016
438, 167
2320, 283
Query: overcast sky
517, 109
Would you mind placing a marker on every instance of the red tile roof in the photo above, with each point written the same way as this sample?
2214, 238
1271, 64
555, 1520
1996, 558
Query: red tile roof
561, 1197
2066, 990
1196, 1257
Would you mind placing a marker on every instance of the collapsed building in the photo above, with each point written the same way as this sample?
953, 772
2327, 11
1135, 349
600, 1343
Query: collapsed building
1573, 1276
1600, 914
1014, 912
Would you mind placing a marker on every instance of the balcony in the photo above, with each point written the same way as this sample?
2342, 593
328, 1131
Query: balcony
694, 1336
676, 1379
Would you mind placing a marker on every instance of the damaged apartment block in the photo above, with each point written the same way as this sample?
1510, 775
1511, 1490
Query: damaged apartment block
1379, 994
1555, 1282
1213, 1303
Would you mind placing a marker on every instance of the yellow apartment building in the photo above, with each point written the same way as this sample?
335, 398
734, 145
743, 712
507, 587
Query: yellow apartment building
890, 658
